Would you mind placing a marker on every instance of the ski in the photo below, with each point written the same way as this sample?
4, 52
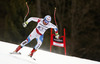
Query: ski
15, 53
32, 58
20, 54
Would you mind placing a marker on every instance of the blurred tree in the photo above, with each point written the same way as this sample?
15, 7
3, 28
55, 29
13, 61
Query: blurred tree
39, 8
85, 33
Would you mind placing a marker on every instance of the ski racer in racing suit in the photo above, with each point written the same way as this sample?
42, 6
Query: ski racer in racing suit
38, 32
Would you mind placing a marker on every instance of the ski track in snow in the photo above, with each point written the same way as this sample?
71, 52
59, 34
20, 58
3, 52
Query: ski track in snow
42, 57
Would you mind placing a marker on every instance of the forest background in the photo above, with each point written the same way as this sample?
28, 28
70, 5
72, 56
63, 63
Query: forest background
80, 18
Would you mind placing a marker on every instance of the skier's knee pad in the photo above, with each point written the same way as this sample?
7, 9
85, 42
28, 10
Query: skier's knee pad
37, 46
24, 43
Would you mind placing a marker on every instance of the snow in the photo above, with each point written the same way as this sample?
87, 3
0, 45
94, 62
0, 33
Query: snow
42, 57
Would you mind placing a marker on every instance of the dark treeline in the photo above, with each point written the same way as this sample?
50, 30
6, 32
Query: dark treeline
80, 18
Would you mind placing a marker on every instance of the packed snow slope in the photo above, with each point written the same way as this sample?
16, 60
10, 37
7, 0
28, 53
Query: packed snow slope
42, 57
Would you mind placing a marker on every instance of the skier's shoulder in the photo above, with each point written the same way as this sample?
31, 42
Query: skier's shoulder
40, 20
51, 24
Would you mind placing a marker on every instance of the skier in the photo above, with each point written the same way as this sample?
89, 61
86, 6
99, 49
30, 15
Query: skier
38, 32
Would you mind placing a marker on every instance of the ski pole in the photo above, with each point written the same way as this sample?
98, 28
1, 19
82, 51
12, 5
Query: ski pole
27, 11
55, 16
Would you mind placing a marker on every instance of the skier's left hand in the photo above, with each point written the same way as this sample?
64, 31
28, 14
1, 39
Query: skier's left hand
57, 36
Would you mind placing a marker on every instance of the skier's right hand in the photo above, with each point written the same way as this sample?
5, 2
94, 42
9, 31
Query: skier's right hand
25, 24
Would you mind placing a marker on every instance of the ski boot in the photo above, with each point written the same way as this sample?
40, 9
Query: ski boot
32, 52
17, 49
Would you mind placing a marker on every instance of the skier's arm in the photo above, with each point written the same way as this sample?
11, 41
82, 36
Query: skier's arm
35, 19
56, 30
56, 33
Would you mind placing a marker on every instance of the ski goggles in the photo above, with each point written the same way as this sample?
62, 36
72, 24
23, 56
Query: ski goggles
46, 21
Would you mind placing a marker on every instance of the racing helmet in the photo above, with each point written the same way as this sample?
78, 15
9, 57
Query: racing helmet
47, 19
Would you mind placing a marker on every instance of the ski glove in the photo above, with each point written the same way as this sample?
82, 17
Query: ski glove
25, 24
57, 36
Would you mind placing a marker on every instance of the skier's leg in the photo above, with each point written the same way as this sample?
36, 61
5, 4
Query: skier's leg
29, 38
33, 51
23, 44
39, 43
18, 48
